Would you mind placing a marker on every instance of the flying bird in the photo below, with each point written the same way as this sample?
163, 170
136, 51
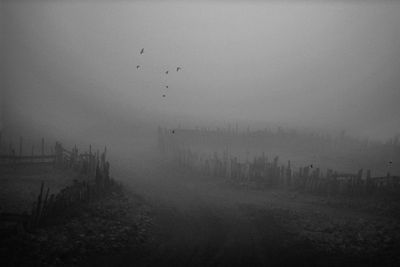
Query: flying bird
178, 68
142, 51
138, 66
166, 86
163, 95
166, 72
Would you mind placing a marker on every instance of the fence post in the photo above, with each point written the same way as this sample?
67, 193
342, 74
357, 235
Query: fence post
39, 205
58, 154
289, 175
45, 203
369, 182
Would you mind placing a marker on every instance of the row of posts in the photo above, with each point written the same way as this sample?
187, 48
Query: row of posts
89, 163
264, 173
10, 150
84, 162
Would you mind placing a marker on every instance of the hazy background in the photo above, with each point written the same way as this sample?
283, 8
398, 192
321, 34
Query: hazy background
70, 68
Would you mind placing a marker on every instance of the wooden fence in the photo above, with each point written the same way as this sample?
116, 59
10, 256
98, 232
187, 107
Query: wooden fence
59, 156
93, 168
10, 156
49, 207
263, 173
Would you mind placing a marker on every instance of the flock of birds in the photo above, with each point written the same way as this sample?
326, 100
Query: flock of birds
166, 72
179, 68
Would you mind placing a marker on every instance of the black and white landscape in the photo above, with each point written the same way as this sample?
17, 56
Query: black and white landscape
200, 133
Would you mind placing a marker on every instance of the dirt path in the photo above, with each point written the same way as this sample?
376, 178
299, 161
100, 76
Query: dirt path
199, 221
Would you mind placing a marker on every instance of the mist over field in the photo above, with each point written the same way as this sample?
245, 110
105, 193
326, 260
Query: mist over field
322, 65
200, 133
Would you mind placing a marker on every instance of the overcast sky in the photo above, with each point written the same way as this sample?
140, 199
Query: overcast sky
301, 63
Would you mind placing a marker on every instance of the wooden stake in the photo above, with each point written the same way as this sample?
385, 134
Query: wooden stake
45, 202
39, 203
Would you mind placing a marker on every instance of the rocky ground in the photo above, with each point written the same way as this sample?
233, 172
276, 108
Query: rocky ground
118, 222
174, 218
204, 221
362, 242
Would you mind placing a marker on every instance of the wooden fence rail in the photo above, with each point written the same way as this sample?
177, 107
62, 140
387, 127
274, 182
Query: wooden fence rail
9, 156
262, 172
93, 167
22, 147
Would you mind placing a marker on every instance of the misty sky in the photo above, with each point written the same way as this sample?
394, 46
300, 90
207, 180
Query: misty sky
317, 64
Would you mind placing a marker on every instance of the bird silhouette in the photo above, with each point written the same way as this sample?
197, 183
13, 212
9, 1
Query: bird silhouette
166, 72
178, 68
166, 86
142, 51
138, 66
163, 95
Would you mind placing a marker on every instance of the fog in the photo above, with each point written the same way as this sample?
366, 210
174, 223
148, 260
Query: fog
200, 133
71, 67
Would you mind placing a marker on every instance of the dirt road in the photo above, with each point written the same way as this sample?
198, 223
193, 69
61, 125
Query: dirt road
202, 221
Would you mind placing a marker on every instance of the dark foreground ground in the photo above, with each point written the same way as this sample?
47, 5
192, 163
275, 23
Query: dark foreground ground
167, 217
201, 221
